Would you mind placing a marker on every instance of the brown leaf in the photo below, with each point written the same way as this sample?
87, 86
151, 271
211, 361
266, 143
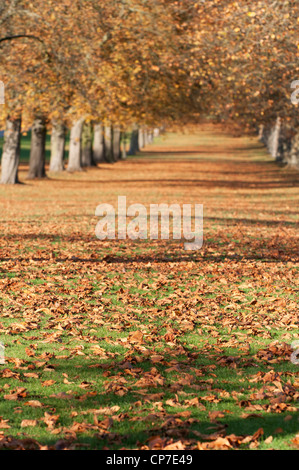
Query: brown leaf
28, 423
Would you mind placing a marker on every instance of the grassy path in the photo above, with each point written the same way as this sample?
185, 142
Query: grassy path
122, 344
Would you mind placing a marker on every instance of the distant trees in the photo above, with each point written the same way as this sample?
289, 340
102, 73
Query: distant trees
11, 151
248, 54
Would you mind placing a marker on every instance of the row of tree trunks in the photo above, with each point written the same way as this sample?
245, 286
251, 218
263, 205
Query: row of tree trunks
88, 146
282, 142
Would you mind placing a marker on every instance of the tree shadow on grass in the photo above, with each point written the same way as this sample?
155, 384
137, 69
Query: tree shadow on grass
216, 247
143, 411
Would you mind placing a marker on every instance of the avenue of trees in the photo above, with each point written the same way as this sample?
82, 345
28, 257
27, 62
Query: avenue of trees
104, 70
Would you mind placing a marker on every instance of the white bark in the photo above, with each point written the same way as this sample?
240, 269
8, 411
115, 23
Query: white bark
108, 144
37, 149
150, 136
57, 147
141, 139
98, 143
273, 139
74, 163
293, 156
86, 144
11, 152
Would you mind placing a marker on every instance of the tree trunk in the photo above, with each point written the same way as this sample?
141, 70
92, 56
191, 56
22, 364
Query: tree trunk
86, 142
74, 163
134, 142
261, 132
11, 151
141, 139
108, 144
292, 156
273, 139
116, 143
57, 147
150, 136
38, 149
123, 152
276, 138
98, 143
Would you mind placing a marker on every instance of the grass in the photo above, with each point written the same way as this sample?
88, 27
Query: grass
140, 344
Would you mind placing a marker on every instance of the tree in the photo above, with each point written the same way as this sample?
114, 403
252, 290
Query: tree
11, 151
74, 162
248, 57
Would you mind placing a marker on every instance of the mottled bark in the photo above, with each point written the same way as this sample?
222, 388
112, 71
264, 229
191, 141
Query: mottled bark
98, 143
261, 132
86, 143
11, 151
150, 136
74, 163
292, 157
116, 142
108, 133
2, 93
123, 145
273, 139
141, 139
57, 147
134, 142
38, 149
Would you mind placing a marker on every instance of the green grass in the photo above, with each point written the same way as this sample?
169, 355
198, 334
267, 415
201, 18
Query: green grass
205, 376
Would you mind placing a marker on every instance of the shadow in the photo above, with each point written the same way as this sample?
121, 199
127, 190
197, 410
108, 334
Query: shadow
156, 257
256, 222
233, 185
139, 389
200, 151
